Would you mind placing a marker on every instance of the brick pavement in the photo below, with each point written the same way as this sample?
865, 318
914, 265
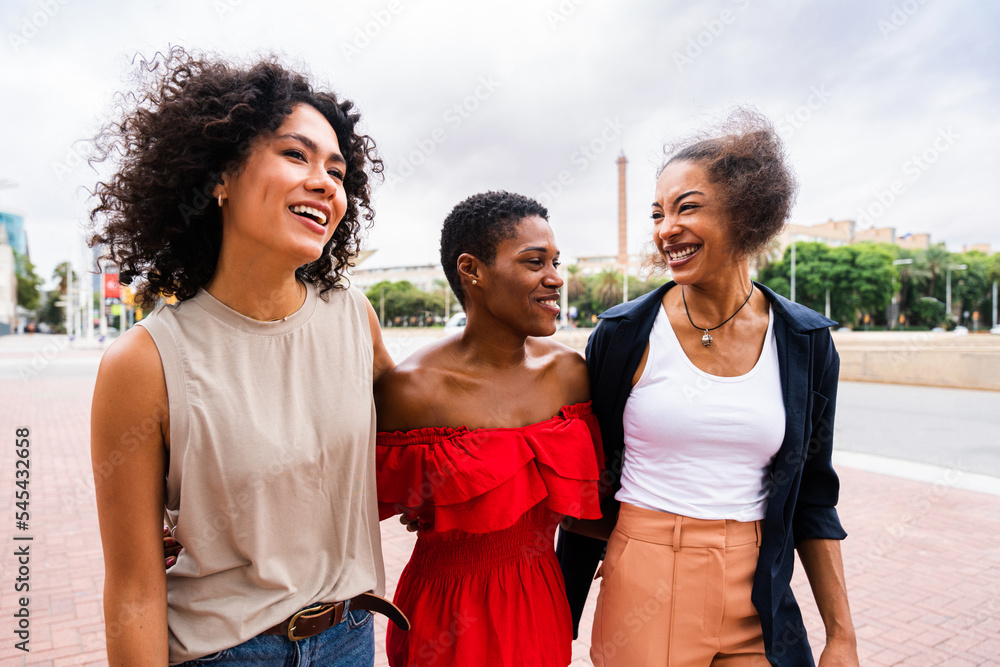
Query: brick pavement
923, 560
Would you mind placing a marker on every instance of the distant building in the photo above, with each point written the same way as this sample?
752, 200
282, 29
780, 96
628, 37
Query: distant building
978, 247
14, 226
914, 241
593, 264
8, 285
845, 232
426, 277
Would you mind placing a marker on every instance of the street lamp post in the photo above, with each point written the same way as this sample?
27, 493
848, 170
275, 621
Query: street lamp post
381, 304
900, 262
994, 304
793, 268
947, 286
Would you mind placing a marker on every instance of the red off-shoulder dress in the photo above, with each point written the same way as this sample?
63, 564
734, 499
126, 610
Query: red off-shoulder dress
483, 586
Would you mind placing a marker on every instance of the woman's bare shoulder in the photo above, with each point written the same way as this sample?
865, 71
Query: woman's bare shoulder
407, 397
133, 359
566, 366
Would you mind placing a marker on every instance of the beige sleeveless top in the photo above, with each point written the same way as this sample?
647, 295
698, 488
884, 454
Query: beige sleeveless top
271, 479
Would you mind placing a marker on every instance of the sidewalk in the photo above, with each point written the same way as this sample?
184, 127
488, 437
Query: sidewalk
922, 559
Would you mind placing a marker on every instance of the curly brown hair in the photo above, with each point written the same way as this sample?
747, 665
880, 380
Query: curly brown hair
744, 156
193, 119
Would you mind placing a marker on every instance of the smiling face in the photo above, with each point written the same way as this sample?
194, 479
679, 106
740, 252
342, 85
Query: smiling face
289, 196
521, 285
690, 224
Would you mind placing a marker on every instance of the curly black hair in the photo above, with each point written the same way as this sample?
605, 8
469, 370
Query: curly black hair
745, 157
193, 119
480, 223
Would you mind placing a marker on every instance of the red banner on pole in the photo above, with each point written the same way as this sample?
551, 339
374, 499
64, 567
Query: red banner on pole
112, 290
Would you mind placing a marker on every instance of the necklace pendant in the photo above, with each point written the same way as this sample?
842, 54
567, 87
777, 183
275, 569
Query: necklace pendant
706, 340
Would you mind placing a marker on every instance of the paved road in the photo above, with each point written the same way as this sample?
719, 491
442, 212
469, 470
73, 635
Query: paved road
951, 428
922, 570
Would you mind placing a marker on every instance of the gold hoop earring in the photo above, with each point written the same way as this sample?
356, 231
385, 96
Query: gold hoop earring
220, 200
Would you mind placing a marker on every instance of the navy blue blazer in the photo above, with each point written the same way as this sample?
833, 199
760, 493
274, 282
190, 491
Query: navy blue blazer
803, 487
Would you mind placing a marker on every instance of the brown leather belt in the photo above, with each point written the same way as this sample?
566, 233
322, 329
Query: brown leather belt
313, 620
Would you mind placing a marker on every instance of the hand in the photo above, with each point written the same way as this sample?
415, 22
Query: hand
839, 653
411, 522
171, 548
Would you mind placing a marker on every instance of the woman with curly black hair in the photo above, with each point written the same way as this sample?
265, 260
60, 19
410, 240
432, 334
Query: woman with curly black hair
243, 411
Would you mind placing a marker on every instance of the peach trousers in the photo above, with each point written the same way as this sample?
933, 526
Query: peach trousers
675, 592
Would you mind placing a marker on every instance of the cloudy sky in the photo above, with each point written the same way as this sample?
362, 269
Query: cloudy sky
540, 97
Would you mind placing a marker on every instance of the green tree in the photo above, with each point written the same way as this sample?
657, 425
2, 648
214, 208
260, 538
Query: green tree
876, 279
606, 289
912, 278
52, 313
65, 275
936, 260
972, 288
406, 304
814, 267
574, 282
637, 288
860, 279
993, 273
28, 282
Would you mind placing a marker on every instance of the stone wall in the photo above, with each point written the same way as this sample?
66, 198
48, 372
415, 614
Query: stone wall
969, 361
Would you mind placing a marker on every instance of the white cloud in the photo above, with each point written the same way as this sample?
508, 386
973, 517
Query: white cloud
564, 69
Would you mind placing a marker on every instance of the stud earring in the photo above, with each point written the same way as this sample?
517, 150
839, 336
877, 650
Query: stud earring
475, 282
220, 200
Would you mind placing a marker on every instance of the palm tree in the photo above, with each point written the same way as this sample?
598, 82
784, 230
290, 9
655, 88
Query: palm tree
608, 289
574, 283
768, 255
936, 261
915, 272
65, 274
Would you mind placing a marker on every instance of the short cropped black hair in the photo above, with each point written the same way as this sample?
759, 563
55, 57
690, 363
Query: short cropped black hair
480, 223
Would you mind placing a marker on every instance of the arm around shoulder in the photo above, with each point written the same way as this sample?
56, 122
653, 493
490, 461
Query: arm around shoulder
128, 447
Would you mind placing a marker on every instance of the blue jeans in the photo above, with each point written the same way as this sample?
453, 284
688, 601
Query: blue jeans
350, 643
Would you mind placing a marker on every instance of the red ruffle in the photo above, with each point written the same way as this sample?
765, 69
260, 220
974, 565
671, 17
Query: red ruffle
483, 480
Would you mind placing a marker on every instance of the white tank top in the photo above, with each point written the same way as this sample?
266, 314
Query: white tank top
700, 445
271, 482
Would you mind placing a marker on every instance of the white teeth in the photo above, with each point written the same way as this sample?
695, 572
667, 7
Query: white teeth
309, 210
687, 252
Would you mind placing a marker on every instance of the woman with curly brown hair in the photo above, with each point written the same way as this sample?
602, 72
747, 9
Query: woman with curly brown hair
716, 401
244, 411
